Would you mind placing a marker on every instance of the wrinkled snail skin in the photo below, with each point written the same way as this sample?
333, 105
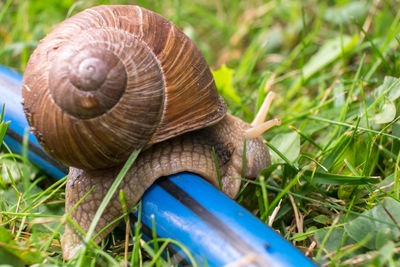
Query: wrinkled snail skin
191, 152
116, 79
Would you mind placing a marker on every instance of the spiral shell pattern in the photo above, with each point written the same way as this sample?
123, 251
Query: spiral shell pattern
113, 79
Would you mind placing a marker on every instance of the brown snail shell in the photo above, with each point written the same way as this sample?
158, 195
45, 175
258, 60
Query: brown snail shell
113, 79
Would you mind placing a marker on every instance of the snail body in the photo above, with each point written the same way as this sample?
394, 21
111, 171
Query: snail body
115, 79
190, 152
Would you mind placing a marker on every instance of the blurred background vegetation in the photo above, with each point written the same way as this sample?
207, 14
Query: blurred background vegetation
334, 66
255, 38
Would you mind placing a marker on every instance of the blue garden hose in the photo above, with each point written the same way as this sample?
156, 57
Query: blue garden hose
214, 228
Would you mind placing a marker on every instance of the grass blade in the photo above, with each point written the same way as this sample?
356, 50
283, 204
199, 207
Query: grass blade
107, 199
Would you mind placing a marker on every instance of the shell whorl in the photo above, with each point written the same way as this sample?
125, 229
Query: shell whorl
87, 80
112, 79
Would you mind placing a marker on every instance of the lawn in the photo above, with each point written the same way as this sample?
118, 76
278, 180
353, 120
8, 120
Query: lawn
333, 187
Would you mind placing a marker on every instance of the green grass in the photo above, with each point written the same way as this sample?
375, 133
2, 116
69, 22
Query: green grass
333, 187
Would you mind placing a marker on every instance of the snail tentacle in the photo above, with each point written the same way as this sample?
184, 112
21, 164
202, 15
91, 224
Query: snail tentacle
263, 111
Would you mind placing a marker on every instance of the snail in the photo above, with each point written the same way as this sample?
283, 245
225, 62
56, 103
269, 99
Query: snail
116, 79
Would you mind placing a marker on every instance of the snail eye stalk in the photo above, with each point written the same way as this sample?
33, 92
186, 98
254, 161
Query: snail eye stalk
262, 113
259, 125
